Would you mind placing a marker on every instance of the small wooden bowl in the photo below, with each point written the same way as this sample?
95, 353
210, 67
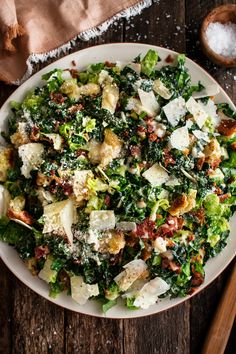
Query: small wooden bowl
222, 14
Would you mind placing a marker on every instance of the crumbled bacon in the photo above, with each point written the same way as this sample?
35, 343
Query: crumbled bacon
200, 215
135, 151
174, 267
227, 127
168, 159
107, 200
169, 59
57, 97
67, 188
146, 228
73, 62
172, 224
41, 251
150, 128
74, 73
20, 215
75, 108
141, 129
200, 163
197, 279
152, 137
34, 135
109, 64
223, 197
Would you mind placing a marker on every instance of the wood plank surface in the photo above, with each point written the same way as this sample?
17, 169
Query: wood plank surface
29, 324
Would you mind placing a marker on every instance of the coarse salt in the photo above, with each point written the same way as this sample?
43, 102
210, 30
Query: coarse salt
222, 38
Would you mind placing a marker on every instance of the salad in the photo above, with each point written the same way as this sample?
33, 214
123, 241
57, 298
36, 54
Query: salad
118, 181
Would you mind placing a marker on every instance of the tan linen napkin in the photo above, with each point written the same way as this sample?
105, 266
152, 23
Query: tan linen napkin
33, 30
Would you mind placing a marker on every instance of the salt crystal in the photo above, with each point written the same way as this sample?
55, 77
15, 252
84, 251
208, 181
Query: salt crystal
222, 38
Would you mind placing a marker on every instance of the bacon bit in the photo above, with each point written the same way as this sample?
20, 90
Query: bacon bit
227, 127
146, 254
75, 108
165, 263
197, 279
223, 197
172, 224
191, 237
200, 215
77, 261
116, 258
215, 164
146, 228
174, 267
169, 59
218, 191
150, 128
168, 158
125, 134
73, 62
81, 152
67, 188
135, 151
34, 135
41, 251
20, 215
107, 200
159, 216
109, 64
152, 137
200, 163
57, 97
148, 120
141, 129
192, 290
233, 146
132, 239
74, 73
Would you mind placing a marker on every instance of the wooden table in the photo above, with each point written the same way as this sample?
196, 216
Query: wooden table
29, 324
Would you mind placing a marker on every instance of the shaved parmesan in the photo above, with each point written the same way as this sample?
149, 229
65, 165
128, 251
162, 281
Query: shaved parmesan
59, 217
211, 109
156, 175
161, 89
173, 181
197, 111
31, 156
110, 97
174, 110
136, 67
133, 270
209, 90
56, 139
134, 104
201, 135
126, 225
179, 139
149, 293
159, 245
102, 219
149, 102
47, 274
79, 184
4, 200
104, 78
80, 291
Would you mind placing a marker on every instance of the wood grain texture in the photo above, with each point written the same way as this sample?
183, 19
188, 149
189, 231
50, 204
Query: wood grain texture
86, 334
164, 333
5, 308
30, 324
37, 324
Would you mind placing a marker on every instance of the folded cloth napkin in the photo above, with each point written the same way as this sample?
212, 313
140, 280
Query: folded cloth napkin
32, 31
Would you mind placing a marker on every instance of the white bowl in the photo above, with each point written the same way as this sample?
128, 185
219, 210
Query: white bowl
123, 52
